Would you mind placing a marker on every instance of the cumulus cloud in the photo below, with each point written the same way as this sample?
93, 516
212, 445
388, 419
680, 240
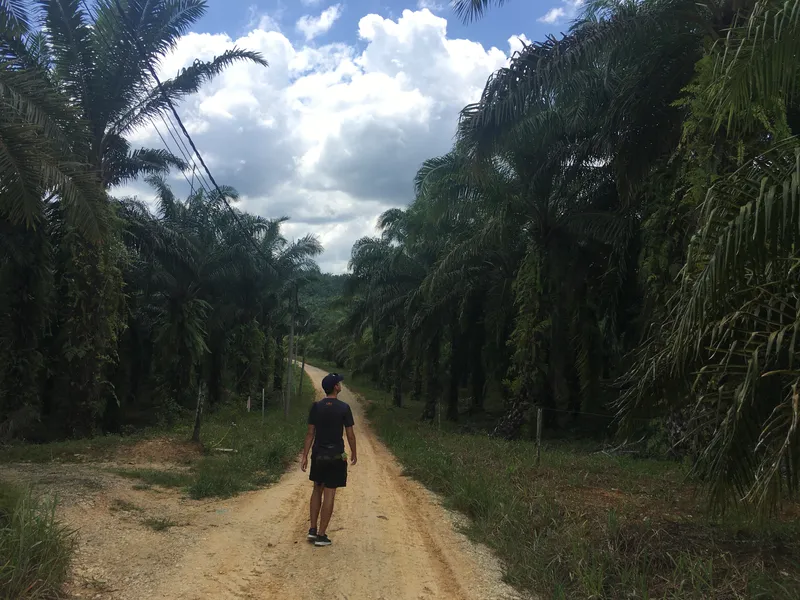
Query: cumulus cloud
330, 136
313, 27
559, 14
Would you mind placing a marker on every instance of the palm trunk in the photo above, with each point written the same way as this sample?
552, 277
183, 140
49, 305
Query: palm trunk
302, 374
287, 394
198, 412
432, 378
417, 385
477, 368
278, 368
455, 374
397, 384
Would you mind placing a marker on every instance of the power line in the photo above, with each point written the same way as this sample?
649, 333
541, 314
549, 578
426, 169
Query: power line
187, 158
181, 143
168, 100
163, 141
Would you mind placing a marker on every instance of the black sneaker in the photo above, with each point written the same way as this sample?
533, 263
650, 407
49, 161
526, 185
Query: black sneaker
312, 535
322, 540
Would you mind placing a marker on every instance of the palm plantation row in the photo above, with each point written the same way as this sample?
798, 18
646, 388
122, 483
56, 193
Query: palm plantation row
614, 232
113, 312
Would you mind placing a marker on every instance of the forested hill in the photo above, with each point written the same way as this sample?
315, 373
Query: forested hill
613, 238
322, 312
321, 292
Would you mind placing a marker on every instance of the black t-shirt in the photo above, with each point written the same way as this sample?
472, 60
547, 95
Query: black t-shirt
329, 416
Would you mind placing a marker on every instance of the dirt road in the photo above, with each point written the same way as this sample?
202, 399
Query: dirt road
391, 540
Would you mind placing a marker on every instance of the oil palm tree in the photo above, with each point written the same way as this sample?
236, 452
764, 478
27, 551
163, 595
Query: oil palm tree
101, 62
72, 90
724, 354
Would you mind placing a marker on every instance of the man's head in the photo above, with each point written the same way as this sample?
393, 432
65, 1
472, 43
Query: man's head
332, 383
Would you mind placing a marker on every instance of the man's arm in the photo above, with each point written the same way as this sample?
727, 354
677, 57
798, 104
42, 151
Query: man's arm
351, 440
312, 430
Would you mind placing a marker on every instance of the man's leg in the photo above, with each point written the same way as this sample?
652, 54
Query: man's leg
327, 509
316, 504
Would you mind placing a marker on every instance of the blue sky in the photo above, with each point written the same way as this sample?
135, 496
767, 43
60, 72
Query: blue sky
357, 95
235, 16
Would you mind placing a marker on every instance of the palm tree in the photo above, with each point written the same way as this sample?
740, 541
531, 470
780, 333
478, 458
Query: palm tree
469, 10
211, 288
725, 347
101, 61
72, 90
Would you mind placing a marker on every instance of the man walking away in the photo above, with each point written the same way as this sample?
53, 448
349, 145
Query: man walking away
327, 420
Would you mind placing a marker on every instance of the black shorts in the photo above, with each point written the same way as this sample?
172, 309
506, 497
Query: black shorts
332, 473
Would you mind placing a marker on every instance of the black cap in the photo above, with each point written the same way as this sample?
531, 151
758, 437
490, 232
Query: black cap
330, 380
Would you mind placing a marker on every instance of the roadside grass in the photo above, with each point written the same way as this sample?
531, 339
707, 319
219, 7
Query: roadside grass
159, 523
35, 548
119, 505
258, 451
588, 525
151, 477
72, 451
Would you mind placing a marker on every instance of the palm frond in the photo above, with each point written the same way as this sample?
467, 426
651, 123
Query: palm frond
14, 18
470, 10
757, 61
187, 82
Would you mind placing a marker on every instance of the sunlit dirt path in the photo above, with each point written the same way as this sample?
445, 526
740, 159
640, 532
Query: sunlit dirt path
392, 541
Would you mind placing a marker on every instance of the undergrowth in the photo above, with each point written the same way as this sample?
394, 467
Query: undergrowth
588, 525
73, 451
35, 548
257, 450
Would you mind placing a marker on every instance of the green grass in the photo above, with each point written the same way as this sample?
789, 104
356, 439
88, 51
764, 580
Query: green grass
151, 477
124, 506
35, 548
588, 525
73, 451
262, 449
159, 523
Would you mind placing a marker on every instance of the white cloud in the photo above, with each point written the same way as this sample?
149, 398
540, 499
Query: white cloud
561, 13
517, 42
430, 5
330, 136
313, 27
310, 2
266, 21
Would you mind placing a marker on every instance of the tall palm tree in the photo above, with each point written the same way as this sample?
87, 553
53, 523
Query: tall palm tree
725, 348
102, 61
72, 90
211, 292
